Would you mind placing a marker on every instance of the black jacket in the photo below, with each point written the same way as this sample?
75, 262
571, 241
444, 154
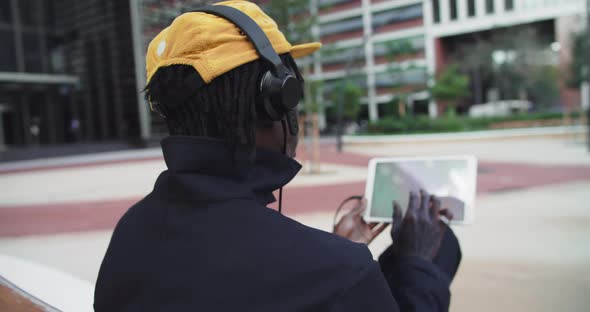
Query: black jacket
203, 240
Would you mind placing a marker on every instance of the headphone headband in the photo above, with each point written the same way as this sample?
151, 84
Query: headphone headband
256, 35
280, 91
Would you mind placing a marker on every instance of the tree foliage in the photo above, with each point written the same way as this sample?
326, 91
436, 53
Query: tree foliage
351, 99
579, 68
450, 85
516, 63
293, 18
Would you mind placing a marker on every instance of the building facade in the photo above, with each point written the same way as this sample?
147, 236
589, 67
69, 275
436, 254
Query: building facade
66, 72
73, 71
380, 45
393, 48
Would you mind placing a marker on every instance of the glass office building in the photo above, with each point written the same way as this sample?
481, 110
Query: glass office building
72, 71
66, 72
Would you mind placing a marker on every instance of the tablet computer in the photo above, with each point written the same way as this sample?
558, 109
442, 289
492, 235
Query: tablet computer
451, 178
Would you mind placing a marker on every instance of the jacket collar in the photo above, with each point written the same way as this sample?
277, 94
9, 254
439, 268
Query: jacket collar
205, 169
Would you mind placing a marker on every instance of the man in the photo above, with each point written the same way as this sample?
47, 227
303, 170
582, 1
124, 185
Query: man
203, 239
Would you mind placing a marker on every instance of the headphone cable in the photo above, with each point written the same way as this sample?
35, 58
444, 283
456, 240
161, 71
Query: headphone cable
284, 149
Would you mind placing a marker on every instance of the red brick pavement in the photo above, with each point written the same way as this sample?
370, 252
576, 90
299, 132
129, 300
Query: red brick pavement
86, 216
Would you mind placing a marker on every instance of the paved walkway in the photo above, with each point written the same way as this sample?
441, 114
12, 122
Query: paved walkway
92, 192
527, 250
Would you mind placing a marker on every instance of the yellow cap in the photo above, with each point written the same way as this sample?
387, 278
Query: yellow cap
214, 45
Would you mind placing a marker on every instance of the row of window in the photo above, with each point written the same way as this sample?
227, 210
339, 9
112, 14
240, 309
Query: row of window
379, 19
391, 48
471, 8
328, 3
334, 56
40, 54
26, 25
411, 76
31, 13
399, 46
388, 79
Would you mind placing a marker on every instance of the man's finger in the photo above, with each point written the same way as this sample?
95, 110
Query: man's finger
434, 207
424, 203
446, 213
413, 205
359, 207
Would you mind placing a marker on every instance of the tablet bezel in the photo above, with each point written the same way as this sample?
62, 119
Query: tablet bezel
471, 165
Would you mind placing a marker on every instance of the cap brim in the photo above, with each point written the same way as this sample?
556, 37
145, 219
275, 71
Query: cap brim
303, 50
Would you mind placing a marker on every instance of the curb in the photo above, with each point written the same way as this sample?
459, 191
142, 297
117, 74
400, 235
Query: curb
466, 136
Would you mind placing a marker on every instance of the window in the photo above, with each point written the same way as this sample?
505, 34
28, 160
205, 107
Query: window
509, 5
413, 76
48, 13
334, 56
32, 52
343, 26
330, 88
328, 3
5, 12
397, 16
436, 11
7, 51
490, 6
453, 5
30, 12
399, 46
470, 7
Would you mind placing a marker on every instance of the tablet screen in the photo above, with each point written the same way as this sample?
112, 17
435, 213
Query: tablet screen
451, 179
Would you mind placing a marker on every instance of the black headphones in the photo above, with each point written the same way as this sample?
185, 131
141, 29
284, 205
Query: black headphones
280, 90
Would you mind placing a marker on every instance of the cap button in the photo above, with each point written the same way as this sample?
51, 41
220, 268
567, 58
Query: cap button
161, 48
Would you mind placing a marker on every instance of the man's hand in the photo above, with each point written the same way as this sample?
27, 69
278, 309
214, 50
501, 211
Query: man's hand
353, 227
420, 232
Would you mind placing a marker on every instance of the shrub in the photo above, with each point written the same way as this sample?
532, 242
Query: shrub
424, 124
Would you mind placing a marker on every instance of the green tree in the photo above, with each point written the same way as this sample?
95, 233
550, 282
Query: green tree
579, 70
544, 87
295, 19
398, 48
351, 99
450, 86
509, 61
475, 59
394, 51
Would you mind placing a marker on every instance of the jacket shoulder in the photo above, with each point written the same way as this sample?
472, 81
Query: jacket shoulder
321, 246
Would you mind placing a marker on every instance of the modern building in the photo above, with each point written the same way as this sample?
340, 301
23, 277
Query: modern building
66, 72
552, 22
380, 45
398, 45
72, 71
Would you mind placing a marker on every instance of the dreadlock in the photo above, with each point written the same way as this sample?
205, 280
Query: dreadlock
223, 109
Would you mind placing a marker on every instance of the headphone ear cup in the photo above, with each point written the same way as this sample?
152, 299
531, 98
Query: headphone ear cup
269, 88
280, 96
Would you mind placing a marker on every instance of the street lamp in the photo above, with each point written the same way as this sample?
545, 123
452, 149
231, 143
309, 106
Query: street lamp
588, 67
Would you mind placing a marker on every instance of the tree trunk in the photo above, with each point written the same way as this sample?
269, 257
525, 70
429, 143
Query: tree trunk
478, 85
315, 138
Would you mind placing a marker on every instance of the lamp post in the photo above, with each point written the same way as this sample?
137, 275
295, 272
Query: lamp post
140, 79
587, 41
340, 110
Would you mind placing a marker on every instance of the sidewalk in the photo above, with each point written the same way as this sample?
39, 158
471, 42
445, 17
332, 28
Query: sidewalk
86, 196
527, 251
529, 234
